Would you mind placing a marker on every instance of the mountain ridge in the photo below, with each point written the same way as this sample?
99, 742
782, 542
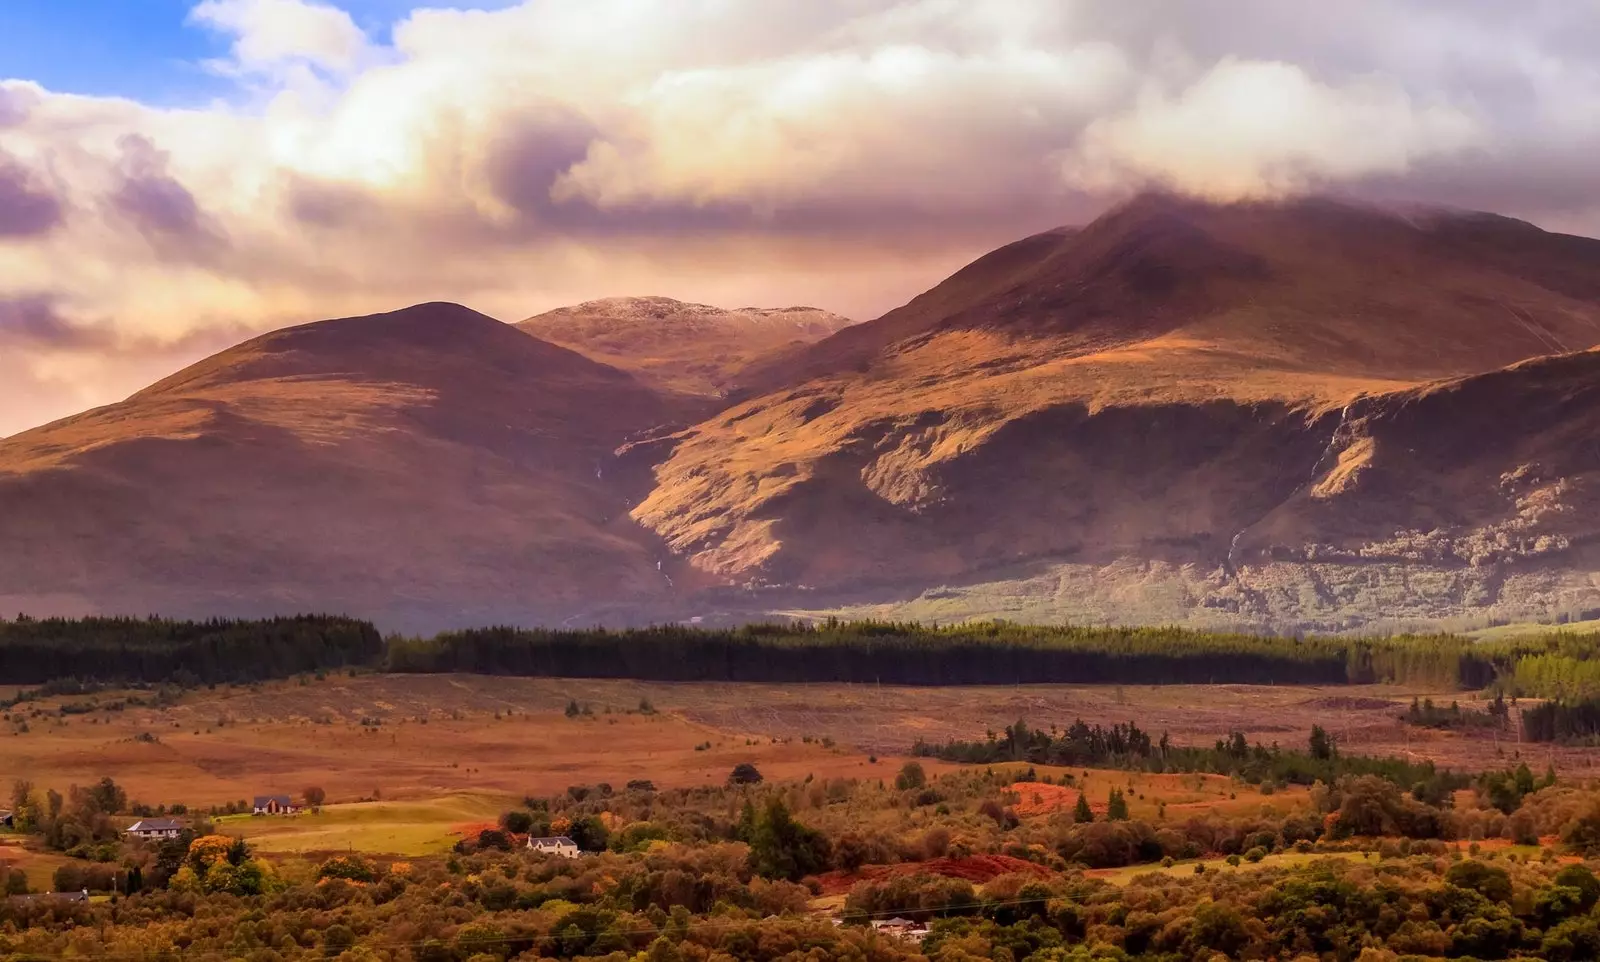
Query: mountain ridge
1304, 414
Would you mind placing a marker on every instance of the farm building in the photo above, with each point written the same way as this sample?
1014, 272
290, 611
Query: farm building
155, 828
274, 805
555, 845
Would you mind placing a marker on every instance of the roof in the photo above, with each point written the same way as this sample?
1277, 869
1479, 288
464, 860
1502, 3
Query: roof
552, 840
262, 800
56, 896
155, 825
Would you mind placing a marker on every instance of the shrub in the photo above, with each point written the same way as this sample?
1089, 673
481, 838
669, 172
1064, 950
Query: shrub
351, 867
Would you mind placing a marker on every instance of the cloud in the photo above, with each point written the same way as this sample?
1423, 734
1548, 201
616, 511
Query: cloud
272, 34
148, 195
33, 321
1254, 129
845, 153
28, 208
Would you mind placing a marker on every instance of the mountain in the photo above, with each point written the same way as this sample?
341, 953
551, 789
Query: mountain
430, 465
1136, 419
1300, 415
676, 346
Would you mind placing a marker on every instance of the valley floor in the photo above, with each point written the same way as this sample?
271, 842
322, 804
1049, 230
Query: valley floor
383, 738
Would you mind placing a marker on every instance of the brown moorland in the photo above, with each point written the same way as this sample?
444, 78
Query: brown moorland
422, 736
1217, 389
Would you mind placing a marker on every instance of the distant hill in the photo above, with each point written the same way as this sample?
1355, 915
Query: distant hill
693, 348
430, 465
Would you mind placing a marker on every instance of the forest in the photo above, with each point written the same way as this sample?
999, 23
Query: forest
1127, 747
40, 651
154, 650
963, 654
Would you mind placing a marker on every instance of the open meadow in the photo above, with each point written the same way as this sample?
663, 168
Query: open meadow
412, 763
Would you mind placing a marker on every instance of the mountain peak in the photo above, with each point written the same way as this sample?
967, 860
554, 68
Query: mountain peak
679, 345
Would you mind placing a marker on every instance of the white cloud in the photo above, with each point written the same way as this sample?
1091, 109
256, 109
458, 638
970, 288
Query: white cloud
270, 35
1251, 129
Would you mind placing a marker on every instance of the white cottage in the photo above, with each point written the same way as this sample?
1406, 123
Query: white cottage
152, 829
558, 845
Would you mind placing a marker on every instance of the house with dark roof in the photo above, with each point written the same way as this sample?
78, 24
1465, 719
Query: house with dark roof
558, 845
274, 805
155, 828
82, 896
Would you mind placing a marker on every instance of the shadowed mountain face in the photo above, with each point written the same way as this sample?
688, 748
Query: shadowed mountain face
690, 348
1309, 414
1164, 386
428, 465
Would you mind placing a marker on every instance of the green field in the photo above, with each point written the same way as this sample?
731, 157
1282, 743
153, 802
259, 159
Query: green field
1122, 876
406, 828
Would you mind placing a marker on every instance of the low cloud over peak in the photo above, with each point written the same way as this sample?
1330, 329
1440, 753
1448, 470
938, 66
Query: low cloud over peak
842, 152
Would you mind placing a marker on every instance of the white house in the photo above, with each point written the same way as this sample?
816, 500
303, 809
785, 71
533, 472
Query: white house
155, 828
274, 805
558, 845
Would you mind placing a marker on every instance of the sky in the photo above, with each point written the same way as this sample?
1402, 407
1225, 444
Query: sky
176, 175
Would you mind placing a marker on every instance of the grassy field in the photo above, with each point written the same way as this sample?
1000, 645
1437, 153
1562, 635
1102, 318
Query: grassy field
40, 866
1523, 629
405, 828
409, 763
1149, 795
1122, 876
428, 736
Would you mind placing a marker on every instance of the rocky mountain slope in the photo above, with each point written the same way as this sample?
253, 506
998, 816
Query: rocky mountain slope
676, 346
1171, 386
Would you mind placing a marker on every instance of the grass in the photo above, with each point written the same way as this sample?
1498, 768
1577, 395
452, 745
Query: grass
39, 866
1523, 629
1122, 876
407, 828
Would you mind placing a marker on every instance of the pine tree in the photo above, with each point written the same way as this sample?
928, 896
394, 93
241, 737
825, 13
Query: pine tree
1321, 745
1082, 814
1117, 807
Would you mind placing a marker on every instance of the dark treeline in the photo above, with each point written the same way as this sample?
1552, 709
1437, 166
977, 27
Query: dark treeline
40, 651
1563, 721
1130, 748
36, 652
973, 653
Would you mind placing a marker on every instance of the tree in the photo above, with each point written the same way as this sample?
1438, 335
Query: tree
1082, 813
782, 848
1321, 744
744, 773
1116, 806
911, 777
315, 796
517, 822
590, 834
